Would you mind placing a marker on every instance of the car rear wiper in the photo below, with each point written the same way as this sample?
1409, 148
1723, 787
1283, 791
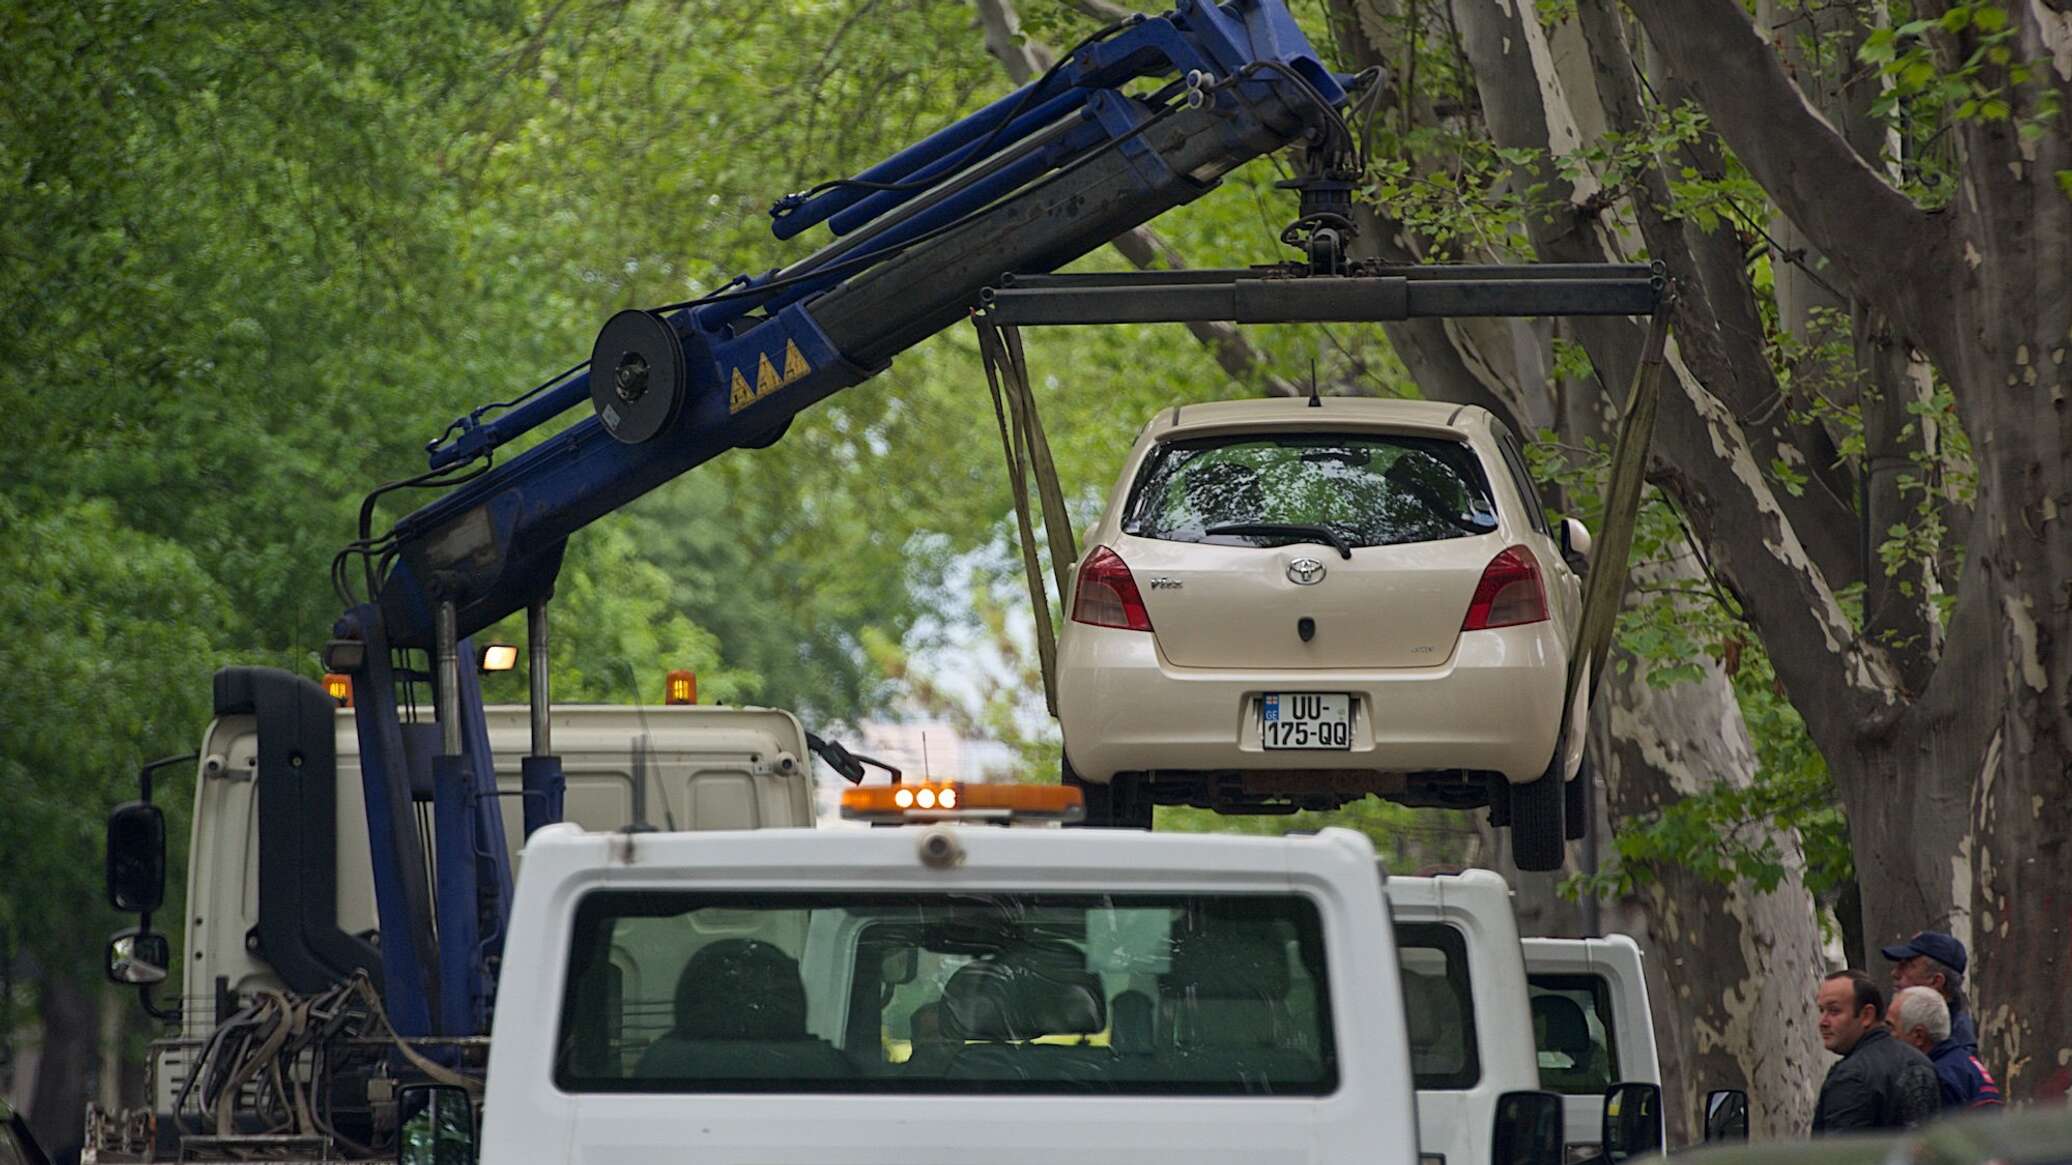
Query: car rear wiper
1268, 529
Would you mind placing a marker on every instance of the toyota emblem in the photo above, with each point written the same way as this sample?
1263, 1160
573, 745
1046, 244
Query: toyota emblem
1305, 572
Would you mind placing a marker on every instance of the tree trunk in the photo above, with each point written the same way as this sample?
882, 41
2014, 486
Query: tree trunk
1732, 971
56, 1107
1984, 285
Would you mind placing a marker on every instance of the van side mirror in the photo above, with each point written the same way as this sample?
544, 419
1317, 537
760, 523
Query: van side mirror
136, 857
438, 1125
1632, 1121
1528, 1129
138, 958
1726, 1115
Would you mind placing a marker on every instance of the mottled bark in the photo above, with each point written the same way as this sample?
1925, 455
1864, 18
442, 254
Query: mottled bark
1732, 971
1985, 286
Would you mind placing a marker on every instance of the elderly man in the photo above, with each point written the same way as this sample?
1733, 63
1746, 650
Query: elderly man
1880, 1082
1934, 959
1920, 1017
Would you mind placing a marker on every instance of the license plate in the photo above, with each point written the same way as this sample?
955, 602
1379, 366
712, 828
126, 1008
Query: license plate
1306, 720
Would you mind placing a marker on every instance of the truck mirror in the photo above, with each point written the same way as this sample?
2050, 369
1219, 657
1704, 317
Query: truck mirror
1632, 1120
138, 958
136, 857
1528, 1129
438, 1125
1726, 1115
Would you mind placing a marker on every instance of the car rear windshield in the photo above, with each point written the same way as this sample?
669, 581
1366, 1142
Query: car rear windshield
1367, 489
682, 992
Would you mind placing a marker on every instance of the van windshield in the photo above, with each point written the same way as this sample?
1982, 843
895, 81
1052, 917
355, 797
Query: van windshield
672, 991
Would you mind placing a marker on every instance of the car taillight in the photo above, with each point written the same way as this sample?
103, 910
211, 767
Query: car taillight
1509, 593
1107, 596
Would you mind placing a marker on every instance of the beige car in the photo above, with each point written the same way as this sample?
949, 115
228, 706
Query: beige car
1291, 603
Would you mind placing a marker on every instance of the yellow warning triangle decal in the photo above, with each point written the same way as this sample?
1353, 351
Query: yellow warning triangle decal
738, 395
795, 364
766, 381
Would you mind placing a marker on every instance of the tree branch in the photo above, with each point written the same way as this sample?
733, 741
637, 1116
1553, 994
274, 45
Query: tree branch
1878, 240
1106, 10
1143, 247
1838, 679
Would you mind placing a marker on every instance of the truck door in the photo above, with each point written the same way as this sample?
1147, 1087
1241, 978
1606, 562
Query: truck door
1591, 1026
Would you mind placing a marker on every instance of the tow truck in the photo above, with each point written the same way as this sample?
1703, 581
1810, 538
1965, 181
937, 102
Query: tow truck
1145, 115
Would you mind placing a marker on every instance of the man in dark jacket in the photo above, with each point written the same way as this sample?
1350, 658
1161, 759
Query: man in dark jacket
1880, 1082
1921, 1018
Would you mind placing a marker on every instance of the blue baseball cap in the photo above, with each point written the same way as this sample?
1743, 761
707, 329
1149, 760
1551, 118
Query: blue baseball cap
1936, 945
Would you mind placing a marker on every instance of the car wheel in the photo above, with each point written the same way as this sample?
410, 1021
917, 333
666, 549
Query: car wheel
1576, 813
1119, 804
1538, 812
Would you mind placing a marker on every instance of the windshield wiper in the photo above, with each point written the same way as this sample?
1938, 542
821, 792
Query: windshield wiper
1323, 534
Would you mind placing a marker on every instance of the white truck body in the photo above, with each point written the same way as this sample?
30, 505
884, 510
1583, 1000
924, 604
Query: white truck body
1593, 1025
1464, 1001
706, 768
545, 1101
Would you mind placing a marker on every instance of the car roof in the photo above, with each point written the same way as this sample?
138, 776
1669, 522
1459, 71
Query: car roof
1439, 418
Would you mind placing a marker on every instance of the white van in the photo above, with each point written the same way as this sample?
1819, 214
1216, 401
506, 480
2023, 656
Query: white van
1091, 996
1592, 1025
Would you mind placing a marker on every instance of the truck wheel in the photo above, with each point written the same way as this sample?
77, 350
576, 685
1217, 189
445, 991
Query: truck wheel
1119, 804
1538, 810
1578, 797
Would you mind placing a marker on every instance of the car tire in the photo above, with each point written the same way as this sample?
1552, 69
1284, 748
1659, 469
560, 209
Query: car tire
1538, 820
1577, 798
1119, 804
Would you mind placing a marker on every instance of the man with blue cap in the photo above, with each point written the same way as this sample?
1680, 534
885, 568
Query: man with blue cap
1937, 960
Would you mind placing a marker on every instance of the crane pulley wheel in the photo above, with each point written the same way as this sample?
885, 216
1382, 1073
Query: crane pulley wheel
637, 377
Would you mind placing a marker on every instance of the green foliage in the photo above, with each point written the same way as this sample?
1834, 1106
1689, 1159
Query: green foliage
1951, 69
104, 665
1729, 834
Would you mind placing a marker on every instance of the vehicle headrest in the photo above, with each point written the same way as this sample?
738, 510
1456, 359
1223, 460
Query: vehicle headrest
1034, 990
740, 989
1561, 1022
1228, 961
1431, 1010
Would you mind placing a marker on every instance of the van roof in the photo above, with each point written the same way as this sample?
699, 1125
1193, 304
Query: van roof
834, 859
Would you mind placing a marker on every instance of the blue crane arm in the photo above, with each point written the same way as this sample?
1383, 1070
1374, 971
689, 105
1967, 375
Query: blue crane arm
1026, 185
1024, 193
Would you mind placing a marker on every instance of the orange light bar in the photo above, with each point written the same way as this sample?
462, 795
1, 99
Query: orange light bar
339, 687
949, 800
683, 687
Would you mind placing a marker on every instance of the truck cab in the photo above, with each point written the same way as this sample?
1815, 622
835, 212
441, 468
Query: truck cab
1592, 1026
681, 767
931, 995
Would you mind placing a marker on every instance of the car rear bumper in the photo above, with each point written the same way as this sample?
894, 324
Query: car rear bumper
1495, 706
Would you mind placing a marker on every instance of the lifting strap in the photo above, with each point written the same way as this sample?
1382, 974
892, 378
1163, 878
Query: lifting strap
1027, 452
1605, 588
